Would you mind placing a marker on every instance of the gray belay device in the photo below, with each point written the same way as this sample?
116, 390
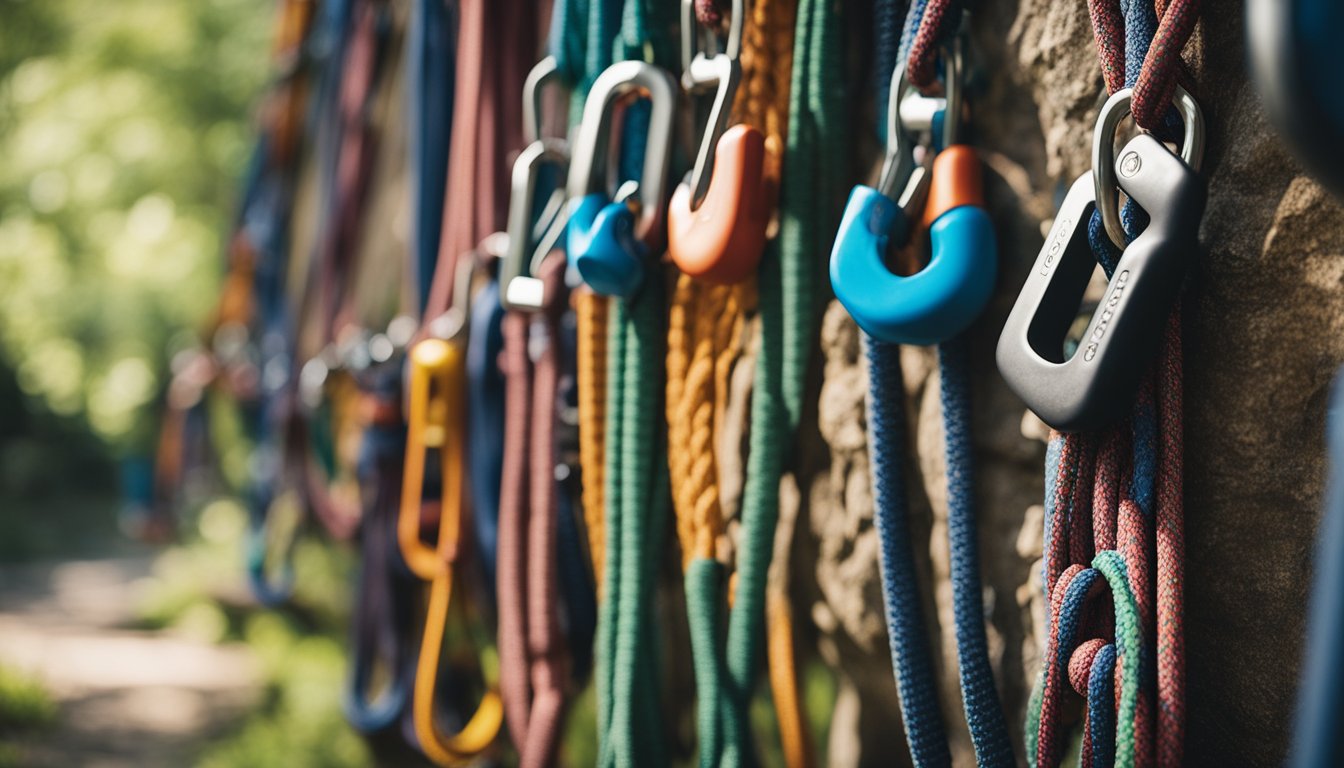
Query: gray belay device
1098, 383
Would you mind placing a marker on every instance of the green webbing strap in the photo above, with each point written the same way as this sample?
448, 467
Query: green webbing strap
704, 598
638, 506
811, 199
638, 500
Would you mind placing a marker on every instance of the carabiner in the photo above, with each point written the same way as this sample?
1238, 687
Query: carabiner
435, 393
532, 234
716, 223
607, 242
1113, 112
434, 422
942, 299
1097, 384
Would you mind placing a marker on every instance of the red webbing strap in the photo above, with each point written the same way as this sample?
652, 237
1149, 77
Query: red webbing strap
532, 653
496, 47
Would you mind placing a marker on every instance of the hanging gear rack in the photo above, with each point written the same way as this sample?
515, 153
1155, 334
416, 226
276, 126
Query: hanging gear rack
557, 379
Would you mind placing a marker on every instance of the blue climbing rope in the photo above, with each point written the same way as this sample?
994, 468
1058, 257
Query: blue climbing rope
911, 655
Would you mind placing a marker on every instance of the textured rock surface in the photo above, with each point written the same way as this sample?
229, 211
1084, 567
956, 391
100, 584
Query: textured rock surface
1264, 311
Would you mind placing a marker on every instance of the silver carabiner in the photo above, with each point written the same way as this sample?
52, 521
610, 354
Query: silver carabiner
529, 241
910, 112
719, 71
1113, 112
589, 168
545, 72
519, 289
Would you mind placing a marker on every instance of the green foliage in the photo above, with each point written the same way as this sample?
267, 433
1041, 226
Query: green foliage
123, 132
24, 703
301, 723
300, 647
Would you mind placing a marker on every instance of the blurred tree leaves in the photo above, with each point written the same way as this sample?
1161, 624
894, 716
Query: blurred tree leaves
123, 132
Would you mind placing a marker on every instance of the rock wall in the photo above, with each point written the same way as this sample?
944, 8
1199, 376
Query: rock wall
1263, 312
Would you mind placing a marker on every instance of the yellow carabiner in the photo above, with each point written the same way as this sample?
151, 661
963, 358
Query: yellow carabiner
432, 389
435, 422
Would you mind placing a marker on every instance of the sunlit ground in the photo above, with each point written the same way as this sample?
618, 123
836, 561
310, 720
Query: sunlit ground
123, 131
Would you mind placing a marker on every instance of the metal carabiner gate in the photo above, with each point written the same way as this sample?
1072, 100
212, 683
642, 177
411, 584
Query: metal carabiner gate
1097, 384
717, 219
607, 241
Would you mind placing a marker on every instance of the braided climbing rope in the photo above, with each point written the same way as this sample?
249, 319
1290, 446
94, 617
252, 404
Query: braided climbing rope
925, 31
787, 302
705, 341
532, 656
637, 498
1117, 493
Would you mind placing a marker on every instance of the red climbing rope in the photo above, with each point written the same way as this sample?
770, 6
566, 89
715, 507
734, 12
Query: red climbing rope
940, 18
1161, 65
1120, 489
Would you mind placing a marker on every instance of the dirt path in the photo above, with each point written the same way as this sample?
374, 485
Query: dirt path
127, 697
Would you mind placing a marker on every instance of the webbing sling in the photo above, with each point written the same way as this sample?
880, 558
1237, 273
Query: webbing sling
1117, 492
532, 654
926, 29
